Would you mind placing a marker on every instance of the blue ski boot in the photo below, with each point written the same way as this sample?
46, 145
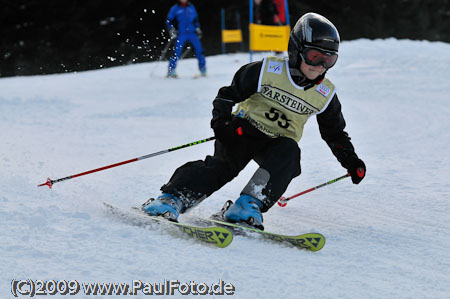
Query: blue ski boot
167, 205
172, 74
246, 209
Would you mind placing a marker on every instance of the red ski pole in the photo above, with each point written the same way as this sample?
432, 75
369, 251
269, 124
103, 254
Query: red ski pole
50, 182
282, 202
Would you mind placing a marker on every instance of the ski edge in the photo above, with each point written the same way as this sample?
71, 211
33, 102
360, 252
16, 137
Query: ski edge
215, 235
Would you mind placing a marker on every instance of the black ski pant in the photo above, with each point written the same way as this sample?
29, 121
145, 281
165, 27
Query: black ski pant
278, 158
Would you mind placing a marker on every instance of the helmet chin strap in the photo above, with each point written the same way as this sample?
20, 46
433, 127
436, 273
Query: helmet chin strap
295, 72
301, 80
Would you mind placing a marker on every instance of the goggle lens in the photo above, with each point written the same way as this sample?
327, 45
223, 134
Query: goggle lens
317, 57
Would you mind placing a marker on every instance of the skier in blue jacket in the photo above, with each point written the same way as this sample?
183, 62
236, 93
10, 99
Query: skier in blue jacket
184, 26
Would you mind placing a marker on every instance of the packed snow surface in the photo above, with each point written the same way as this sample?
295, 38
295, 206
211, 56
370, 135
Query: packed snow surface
388, 237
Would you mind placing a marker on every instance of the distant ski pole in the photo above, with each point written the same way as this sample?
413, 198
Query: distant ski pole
166, 48
185, 53
50, 182
282, 202
163, 54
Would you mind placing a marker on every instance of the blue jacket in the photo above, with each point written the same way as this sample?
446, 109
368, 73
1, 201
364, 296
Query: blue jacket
185, 17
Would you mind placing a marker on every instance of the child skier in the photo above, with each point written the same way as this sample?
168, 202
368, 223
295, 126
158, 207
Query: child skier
275, 98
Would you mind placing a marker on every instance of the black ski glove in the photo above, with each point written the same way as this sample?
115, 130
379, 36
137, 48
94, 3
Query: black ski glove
357, 169
223, 129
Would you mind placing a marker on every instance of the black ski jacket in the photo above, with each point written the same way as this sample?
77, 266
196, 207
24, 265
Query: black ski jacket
331, 121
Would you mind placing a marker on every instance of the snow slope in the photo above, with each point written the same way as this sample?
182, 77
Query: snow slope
388, 237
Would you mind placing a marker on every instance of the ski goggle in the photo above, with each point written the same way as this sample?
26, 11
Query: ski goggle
315, 57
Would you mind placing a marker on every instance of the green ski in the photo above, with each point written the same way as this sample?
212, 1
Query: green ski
309, 241
216, 235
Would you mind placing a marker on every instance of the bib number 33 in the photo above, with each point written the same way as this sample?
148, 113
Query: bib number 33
279, 117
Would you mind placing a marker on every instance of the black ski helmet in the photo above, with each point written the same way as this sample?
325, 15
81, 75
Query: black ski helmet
312, 30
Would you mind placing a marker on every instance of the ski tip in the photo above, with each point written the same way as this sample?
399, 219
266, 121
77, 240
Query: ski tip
314, 241
224, 236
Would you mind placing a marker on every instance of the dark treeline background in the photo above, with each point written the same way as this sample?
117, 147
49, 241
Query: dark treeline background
53, 36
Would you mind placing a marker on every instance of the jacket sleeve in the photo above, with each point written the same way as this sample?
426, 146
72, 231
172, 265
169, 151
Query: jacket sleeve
170, 18
196, 20
331, 125
244, 84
